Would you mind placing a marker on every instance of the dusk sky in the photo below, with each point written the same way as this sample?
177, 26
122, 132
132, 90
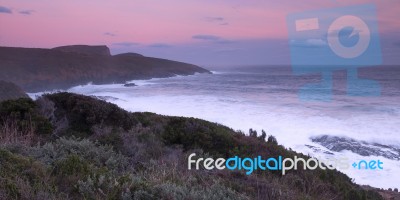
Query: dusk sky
206, 32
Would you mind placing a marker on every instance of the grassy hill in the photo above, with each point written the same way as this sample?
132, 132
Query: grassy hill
37, 70
69, 146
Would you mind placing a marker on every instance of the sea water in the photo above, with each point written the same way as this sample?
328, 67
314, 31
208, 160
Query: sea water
266, 97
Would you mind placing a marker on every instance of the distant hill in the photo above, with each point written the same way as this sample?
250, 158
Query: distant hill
10, 91
86, 49
37, 70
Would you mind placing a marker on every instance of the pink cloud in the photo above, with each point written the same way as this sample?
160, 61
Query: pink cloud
148, 22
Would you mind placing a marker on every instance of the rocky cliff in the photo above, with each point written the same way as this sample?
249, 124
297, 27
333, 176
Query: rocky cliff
86, 49
37, 70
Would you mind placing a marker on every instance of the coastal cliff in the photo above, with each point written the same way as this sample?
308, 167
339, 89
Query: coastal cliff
36, 70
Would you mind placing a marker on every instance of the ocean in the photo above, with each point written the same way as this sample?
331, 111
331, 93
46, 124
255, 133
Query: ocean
266, 97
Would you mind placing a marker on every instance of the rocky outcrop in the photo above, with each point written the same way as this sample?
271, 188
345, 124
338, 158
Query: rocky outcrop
130, 85
37, 70
337, 144
86, 49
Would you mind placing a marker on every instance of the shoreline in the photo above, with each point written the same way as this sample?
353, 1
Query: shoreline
305, 147
361, 177
34, 95
83, 107
115, 100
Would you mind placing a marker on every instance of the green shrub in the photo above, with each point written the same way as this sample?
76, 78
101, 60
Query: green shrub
24, 178
170, 190
25, 115
72, 165
84, 112
194, 133
144, 156
95, 154
112, 139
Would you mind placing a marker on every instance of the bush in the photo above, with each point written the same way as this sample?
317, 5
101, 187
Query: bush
20, 120
23, 178
112, 139
83, 168
194, 133
63, 148
272, 139
84, 112
72, 165
144, 156
107, 186
170, 190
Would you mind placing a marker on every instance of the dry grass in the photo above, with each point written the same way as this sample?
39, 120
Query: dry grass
11, 132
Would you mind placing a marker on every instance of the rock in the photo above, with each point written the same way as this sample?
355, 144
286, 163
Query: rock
105, 98
130, 85
337, 144
319, 150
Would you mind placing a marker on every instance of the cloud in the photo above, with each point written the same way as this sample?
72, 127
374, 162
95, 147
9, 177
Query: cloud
309, 43
5, 10
9, 11
206, 37
212, 38
26, 12
214, 19
109, 34
160, 45
219, 20
227, 50
125, 44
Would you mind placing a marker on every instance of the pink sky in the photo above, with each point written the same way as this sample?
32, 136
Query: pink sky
141, 23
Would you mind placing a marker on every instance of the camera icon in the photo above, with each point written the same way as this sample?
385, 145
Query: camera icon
326, 40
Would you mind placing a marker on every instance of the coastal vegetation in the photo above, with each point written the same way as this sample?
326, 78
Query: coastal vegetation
70, 146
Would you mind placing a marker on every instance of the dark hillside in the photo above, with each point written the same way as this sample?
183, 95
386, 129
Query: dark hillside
38, 70
85, 49
10, 91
